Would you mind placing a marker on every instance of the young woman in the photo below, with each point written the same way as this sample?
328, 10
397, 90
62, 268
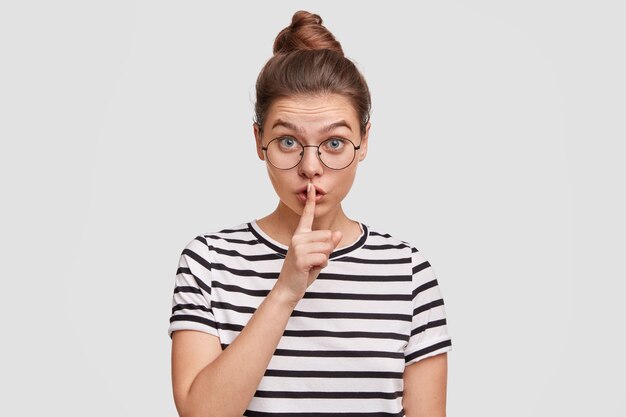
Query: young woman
306, 312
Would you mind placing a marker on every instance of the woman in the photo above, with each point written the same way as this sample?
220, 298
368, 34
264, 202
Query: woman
306, 311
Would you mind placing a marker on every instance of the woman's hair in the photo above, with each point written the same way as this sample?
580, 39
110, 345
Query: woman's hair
308, 60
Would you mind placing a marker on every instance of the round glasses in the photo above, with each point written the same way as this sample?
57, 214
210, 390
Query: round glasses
286, 152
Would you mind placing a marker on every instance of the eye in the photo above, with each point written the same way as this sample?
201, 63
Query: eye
334, 144
288, 143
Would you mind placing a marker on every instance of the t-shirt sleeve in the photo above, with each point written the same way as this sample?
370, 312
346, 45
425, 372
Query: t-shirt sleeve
191, 301
429, 328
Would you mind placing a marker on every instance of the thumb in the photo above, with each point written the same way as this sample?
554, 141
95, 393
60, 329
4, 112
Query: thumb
336, 238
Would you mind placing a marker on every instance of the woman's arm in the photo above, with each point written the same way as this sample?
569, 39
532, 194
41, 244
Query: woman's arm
208, 382
425, 386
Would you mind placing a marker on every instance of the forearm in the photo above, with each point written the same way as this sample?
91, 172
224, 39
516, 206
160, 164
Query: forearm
225, 387
425, 387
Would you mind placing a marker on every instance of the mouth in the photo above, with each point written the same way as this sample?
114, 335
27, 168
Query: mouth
319, 193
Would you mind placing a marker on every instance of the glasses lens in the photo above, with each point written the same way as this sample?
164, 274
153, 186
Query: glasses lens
284, 153
337, 153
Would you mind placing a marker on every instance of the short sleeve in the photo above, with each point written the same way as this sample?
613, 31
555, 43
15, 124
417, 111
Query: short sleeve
191, 301
429, 328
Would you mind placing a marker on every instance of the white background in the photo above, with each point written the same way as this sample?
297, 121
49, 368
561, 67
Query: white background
496, 149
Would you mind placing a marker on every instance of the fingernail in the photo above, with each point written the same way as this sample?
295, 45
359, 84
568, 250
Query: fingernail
308, 187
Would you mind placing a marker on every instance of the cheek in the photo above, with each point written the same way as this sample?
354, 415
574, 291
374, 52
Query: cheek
344, 182
349, 184
278, 179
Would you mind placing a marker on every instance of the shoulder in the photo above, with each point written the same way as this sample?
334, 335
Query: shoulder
379, 239
388, 240
207, 241
226, 235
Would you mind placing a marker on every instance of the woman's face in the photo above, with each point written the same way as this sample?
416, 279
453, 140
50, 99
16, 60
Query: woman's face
311, 120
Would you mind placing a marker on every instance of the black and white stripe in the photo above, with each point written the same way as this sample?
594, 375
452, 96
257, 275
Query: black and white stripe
373, 310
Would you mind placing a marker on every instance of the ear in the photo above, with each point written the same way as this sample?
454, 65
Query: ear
363, 148
259, 142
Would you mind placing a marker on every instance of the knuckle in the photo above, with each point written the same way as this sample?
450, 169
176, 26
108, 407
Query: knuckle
298, 250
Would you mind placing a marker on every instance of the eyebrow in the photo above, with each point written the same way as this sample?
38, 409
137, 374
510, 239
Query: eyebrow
341, 123
290, 126
327, 128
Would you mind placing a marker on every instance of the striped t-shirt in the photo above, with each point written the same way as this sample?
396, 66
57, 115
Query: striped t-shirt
373, 310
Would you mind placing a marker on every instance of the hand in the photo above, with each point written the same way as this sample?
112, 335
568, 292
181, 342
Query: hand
307, 254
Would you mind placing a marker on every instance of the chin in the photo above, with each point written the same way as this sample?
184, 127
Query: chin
293, 204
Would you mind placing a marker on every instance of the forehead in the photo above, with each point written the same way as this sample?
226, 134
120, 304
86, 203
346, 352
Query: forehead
310, 111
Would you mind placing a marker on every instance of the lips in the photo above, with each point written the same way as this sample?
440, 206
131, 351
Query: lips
319, 193
318, 190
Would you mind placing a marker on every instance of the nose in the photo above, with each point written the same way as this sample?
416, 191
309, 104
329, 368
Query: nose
310, 165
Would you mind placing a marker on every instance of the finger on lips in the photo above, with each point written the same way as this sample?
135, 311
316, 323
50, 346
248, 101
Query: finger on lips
308, 213
326, 241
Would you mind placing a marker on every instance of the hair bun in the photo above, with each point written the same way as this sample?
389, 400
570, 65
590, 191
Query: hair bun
306, 32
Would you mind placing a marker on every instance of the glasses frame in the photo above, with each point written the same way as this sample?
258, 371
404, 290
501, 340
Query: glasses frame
319, 154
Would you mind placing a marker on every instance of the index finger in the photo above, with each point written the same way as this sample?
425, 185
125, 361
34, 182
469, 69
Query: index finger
308, 213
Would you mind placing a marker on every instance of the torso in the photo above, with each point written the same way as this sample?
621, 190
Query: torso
374, 309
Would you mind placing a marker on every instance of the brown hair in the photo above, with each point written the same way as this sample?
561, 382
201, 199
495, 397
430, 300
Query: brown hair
309, 60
